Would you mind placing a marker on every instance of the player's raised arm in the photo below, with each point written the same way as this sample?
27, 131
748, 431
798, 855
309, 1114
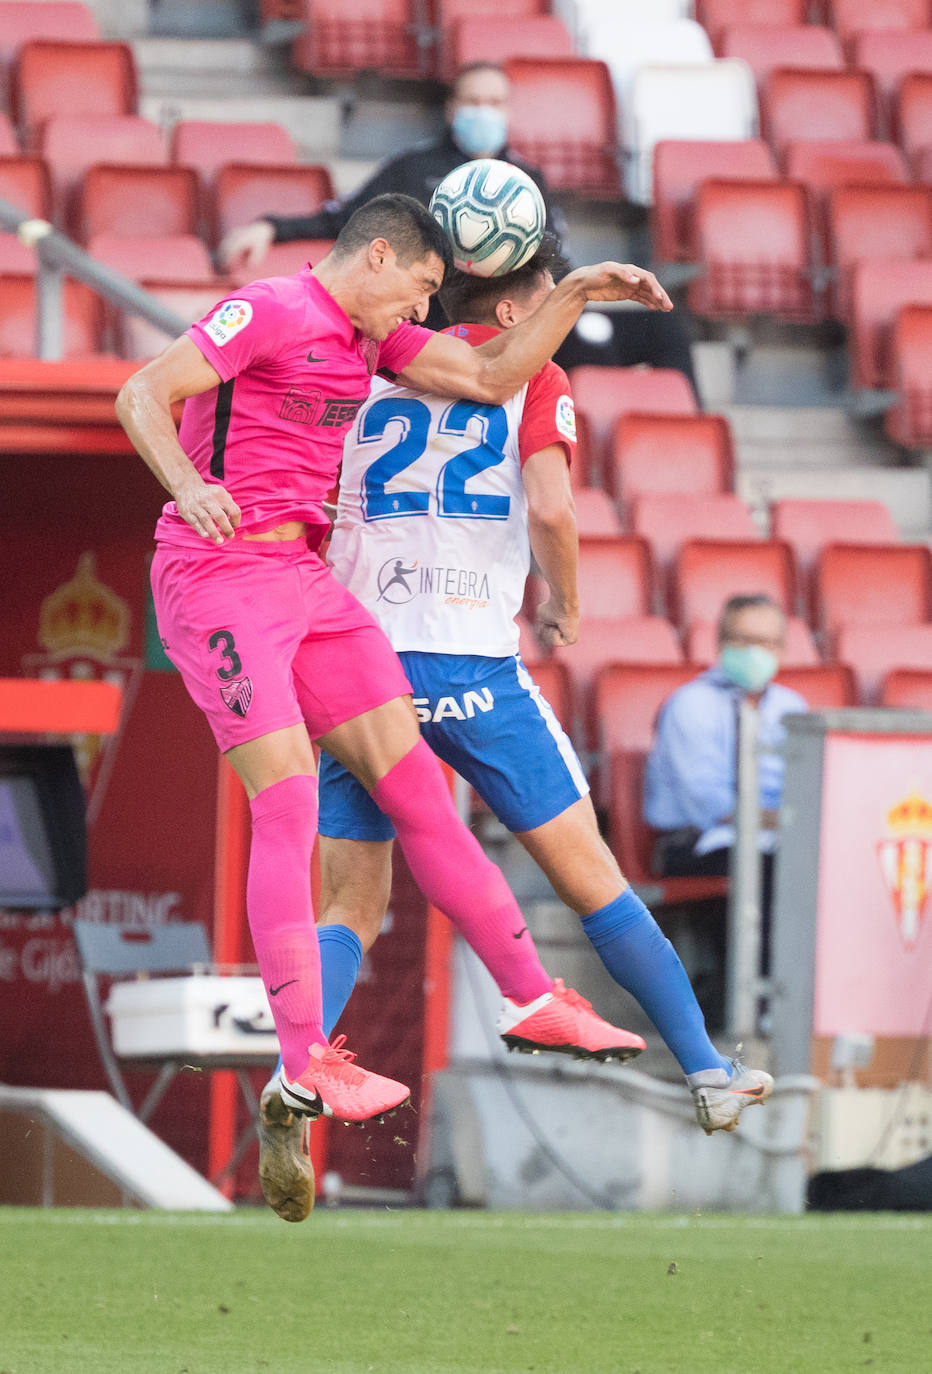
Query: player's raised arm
497, 369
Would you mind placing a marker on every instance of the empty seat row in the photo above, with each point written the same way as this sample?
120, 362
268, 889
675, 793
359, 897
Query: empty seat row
152, 200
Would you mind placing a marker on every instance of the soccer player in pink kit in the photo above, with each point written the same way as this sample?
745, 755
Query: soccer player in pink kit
277, 654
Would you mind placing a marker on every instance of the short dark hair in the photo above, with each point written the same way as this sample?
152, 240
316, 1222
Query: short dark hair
404, 222
468, 299
479, 66
736, 604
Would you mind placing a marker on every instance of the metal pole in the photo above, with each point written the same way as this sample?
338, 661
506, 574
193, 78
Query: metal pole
742, 960
50, 332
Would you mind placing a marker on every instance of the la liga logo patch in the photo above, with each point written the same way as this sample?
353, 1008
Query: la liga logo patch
226, 322
566, 418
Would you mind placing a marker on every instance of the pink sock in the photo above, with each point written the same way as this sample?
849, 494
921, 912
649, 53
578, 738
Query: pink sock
281, 918
453, 873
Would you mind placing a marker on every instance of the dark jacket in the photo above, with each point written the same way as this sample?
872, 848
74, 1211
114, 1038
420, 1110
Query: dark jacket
415, 173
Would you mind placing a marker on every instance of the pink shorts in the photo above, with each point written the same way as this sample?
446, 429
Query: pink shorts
265, 637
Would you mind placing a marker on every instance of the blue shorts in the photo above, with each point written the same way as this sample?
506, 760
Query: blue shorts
486, 718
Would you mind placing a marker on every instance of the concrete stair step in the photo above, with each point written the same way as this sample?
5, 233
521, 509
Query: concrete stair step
312, 121
905, 491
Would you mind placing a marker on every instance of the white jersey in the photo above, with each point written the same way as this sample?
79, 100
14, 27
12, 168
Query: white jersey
432, 530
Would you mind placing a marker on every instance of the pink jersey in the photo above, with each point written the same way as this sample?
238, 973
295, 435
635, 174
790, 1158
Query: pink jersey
294, 371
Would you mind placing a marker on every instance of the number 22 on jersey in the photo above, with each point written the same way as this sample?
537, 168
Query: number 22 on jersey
453, 500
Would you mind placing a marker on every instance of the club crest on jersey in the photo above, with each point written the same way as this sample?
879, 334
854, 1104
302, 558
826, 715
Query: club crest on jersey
566, 418
225, 323
237, 695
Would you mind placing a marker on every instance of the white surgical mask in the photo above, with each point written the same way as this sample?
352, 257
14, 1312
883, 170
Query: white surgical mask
479, 129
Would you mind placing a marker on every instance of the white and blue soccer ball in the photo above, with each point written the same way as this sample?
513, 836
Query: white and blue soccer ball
493, 214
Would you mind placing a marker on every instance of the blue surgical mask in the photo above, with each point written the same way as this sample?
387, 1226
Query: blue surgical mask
479, 130
748, 665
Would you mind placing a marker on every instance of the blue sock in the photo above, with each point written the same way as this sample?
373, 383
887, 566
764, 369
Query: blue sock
641, 959
340, 957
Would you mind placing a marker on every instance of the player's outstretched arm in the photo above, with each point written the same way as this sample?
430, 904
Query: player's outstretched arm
144, 409
496, 369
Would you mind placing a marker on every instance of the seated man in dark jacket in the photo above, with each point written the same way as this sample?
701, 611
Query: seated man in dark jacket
476, 126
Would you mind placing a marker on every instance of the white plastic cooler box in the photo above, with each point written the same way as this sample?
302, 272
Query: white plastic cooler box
200, 1016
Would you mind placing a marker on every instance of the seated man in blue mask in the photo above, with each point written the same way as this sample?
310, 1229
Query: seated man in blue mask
690, 778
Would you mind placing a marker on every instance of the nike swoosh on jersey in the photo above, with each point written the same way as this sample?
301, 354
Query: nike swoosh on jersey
312, 359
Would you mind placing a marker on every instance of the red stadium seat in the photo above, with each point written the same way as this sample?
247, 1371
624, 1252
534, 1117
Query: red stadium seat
614, 577
825, 686
71, 144
376, 35
909, 422
686, 455
191, 300
628, 698
51, 78
476, 39
717, 15
635, 639
631, 839
138, 201
24, 182
244, 191
8, 144
914, 113
563, 120
800, 650
709, 571
667, 521
27, 19
679, 169
83, 318
167, 257
879, 288
873, 584
826, 163
873, 651
754, 244
284, 259
766, 46
908, 688
800, 103
851, 17
807, 526
603, 394
595, 512
208, 143
875, 222
889, 55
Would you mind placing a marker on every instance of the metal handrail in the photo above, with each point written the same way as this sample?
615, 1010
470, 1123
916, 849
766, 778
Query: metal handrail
58, 257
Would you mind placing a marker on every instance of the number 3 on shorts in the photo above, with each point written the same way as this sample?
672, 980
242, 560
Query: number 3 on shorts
232, 664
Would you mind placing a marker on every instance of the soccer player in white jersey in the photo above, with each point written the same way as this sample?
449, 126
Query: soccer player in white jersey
441, 503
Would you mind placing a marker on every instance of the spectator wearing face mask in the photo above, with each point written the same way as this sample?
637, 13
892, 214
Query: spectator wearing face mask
690, 778
476, 115
476, 126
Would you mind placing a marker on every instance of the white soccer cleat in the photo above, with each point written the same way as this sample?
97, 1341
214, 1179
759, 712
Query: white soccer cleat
720, 1100
286, 1174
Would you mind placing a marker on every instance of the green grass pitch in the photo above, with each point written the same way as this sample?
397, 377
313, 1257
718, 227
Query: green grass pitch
397, 1292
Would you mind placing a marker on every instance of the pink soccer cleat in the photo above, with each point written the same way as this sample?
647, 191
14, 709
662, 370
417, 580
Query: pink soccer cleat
333, 1085
564, 1022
